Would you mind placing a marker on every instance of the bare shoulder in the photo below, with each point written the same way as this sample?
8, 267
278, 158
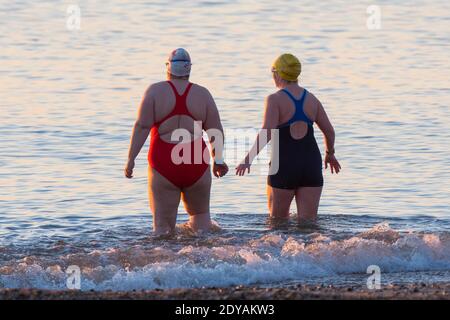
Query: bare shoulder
312, 106
273, 99
201, 90
156, 87
275, 95
313, 99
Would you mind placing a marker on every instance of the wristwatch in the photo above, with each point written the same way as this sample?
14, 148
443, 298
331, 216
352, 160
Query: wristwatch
331, 152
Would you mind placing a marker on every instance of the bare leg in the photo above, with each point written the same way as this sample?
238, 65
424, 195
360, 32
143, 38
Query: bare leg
307, 199
196, 201
164, 199
279, 201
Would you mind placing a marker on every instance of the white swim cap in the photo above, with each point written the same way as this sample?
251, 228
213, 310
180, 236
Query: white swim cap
179, 63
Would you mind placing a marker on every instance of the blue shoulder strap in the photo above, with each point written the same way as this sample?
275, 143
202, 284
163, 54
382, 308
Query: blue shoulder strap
293, 98
299, 114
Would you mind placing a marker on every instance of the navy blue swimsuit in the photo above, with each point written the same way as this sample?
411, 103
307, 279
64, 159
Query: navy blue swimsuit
300, 162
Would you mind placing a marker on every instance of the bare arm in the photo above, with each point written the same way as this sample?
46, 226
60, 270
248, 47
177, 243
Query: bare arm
141, 130
326, 127
216, 135
214, 129
271, 118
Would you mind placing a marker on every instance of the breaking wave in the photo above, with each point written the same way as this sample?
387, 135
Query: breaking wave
271, 258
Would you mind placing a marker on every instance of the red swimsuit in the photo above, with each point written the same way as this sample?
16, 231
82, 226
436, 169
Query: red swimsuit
160, 153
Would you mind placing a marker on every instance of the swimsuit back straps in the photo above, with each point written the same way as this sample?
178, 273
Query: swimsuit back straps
299, 114
180, 103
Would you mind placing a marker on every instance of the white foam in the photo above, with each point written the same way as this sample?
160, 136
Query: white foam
272, 258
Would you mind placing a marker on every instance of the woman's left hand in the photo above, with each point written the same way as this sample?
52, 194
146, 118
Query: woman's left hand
331, 160
219, 170
240, 169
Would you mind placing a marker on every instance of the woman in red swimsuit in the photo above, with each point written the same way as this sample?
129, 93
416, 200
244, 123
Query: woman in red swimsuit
178, 169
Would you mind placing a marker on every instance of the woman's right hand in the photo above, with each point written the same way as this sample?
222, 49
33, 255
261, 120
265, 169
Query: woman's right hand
240, 169
331, 160
129, 168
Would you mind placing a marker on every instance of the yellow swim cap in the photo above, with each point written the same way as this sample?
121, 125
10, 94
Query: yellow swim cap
288, 67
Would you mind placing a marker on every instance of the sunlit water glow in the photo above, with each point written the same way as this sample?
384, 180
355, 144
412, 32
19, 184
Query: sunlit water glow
68, 100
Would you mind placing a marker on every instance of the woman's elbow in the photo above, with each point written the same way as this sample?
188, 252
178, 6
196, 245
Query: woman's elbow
329, 132
142, 126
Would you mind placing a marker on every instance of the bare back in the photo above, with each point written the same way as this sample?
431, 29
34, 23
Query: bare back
286, 109
164, 102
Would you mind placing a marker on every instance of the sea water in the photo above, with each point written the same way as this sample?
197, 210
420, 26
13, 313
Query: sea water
68, 100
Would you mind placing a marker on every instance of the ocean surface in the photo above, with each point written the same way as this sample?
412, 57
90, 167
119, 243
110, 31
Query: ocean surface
68, 101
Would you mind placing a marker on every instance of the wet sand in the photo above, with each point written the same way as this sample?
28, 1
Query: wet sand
410, 291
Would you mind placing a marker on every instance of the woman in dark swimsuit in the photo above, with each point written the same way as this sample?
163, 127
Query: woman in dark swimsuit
298, 173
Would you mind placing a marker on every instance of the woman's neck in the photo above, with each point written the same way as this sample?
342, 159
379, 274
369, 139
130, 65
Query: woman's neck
177, 79
288, 85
